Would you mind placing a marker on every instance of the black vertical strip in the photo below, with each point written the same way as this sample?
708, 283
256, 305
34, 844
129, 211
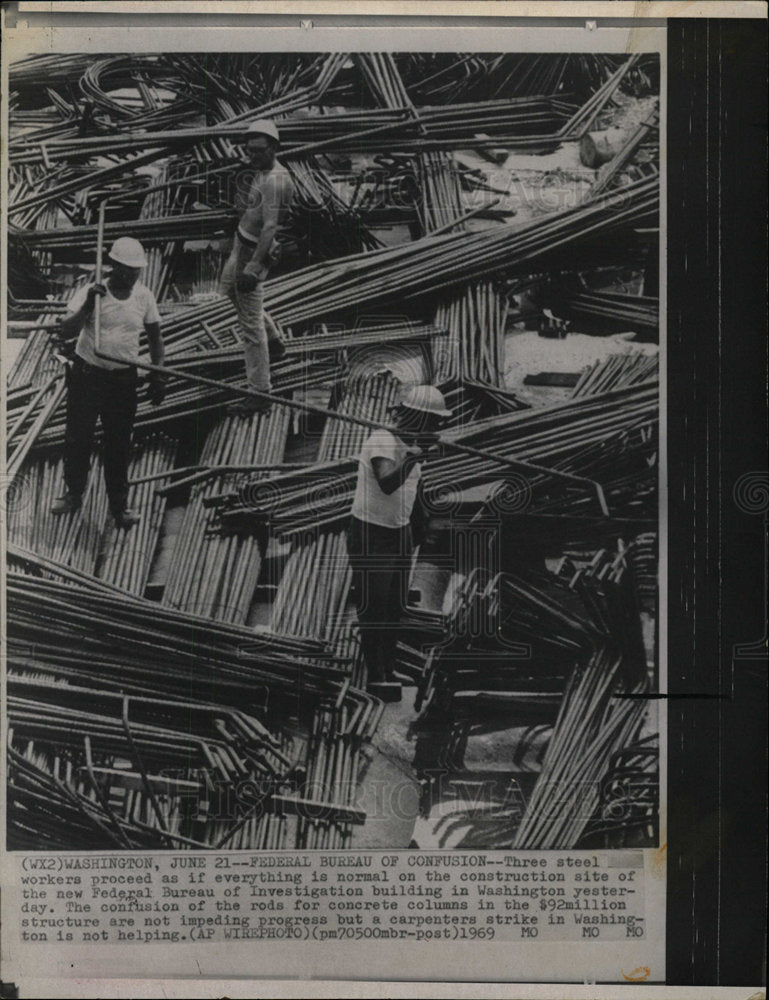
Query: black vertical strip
716, 432
693, 803
745, 489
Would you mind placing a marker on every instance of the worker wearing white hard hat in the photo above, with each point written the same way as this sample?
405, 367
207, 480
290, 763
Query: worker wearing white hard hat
425, 399
264, 192
102, 380
264, 127
380, 536
128, 252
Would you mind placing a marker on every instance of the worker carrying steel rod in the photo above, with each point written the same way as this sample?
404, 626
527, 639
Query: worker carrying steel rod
263, 195
107, 389
380, 539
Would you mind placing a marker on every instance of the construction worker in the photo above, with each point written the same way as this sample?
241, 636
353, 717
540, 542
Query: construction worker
106, 387
379, 537
264, 194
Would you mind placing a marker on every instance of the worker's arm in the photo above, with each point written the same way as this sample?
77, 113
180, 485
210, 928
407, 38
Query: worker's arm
155, 342
274, 198
257, 266
420, 519
390, 475
73, 322
156, 389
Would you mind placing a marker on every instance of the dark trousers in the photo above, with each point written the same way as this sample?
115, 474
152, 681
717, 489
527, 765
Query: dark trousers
381, 562
111, 395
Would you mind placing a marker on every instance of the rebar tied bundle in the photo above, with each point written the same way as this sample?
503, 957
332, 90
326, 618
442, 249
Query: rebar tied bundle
312, 597
617, 371
87, 630
475, 344
616, 310
473, 317
128, 772
535, 635
598, 717
86, 539
545, 435
140, 666
438, 262
209, 575
334, 760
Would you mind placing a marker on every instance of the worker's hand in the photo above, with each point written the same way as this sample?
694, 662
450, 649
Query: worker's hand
156, 388
64, 346
424, 446
93, 291
416, 454
428, 442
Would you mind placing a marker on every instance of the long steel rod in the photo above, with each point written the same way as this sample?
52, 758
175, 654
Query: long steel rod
523, 467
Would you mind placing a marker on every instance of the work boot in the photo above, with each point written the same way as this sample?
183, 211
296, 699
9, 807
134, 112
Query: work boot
67, 504
126, 518
276, 349
248, 407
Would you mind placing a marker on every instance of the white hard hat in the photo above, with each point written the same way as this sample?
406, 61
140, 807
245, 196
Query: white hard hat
264, 127
128, 251
426, 399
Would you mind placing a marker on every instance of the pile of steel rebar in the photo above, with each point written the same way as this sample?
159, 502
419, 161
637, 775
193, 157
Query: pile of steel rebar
131, 717
617, 371
210, 575
131, 771
521, 638
616, 310
448, 76
597, 718
115, 633
99, 632
87, 539
435, 263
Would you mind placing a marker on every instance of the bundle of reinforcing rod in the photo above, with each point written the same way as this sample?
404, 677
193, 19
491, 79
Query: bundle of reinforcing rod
208, 658
616, 372
573, 639
134, 772
474, 317
87, 539
615, 310
447, 77
75, 633
209, 575
437, 262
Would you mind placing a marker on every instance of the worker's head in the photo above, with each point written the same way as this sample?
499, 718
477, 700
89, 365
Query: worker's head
422, 410
262, 144
127, 259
